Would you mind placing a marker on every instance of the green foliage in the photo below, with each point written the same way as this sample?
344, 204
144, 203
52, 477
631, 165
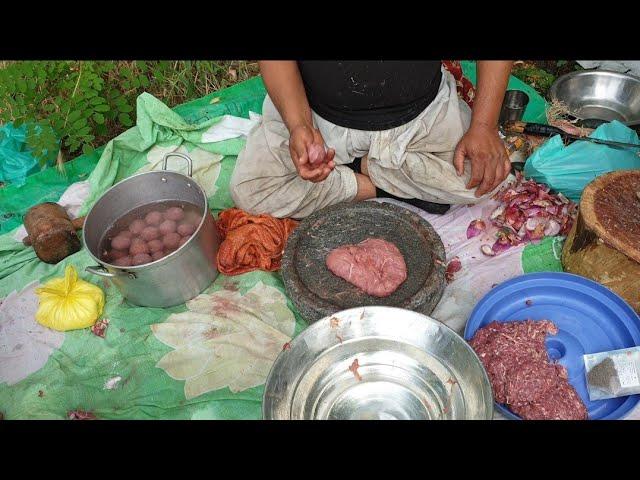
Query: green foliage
535, 76
76, 106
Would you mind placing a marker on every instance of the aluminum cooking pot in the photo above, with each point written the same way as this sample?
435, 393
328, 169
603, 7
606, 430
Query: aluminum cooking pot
176, 278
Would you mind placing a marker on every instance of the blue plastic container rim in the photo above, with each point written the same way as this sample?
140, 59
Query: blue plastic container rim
631, 321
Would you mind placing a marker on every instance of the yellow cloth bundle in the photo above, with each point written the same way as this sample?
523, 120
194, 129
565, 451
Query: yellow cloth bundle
69, 303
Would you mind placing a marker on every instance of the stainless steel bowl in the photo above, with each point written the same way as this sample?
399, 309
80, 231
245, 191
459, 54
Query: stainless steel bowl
599, 95
410, 367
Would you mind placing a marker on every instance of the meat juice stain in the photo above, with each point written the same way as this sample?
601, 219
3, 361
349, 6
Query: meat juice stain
354, 369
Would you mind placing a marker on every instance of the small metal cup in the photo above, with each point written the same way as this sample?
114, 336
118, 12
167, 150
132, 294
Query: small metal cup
513, 107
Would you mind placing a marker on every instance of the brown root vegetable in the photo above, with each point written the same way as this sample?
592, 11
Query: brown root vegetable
120, 242
78, 223
168, 226
126, 234
157, 255
171, 240
138, 246
51, 232
141, 259
123, 262
185, 229
137, 226
153, 218
155, 245
150, 233
174, 213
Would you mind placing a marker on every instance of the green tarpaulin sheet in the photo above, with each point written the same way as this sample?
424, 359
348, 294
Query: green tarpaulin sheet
204, 360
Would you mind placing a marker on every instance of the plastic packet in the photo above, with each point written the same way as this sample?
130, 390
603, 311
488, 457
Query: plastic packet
69, 303
613, 374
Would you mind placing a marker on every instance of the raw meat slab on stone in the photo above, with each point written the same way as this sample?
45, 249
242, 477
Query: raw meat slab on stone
374, 265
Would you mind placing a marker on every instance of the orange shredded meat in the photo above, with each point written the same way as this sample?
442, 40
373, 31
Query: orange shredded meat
251, 242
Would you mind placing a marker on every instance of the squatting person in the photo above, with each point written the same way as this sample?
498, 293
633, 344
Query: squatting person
388, 129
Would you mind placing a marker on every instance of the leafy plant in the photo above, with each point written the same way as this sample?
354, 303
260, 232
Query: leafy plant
75, 106
535, 76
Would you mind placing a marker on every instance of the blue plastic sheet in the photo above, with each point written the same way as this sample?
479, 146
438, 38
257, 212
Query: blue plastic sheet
569, 169
16, 158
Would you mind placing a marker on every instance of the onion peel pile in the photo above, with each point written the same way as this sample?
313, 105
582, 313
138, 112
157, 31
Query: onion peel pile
527, 213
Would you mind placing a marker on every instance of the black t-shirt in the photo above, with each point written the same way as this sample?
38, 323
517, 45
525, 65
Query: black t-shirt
370, 95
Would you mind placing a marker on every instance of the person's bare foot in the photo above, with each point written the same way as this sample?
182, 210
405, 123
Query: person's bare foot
366, 188
364, 165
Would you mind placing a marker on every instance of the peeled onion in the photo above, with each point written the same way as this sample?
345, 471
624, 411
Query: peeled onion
120, 242
123, 262
137, 226
185, 229
150, 233
141, 259
316, 154
116, 254
138, 246
153, 218
155, 245
167, 226
174, 213
171, 240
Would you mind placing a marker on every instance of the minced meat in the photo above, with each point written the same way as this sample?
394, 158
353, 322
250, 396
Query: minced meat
521, 374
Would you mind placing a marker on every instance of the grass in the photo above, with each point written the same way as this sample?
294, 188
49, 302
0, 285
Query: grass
177, 82
196, 79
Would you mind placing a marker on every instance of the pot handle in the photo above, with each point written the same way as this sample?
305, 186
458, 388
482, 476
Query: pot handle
103, 272
181, 155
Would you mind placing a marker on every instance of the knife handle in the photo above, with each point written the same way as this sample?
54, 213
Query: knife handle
542, 130
533, 129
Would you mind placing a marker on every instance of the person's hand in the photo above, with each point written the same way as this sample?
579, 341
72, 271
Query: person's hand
301, 140
488, 156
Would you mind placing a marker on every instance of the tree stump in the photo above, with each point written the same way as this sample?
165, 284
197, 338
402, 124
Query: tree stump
604, 242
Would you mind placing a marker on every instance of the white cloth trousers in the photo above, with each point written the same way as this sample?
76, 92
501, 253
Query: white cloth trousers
414, 160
